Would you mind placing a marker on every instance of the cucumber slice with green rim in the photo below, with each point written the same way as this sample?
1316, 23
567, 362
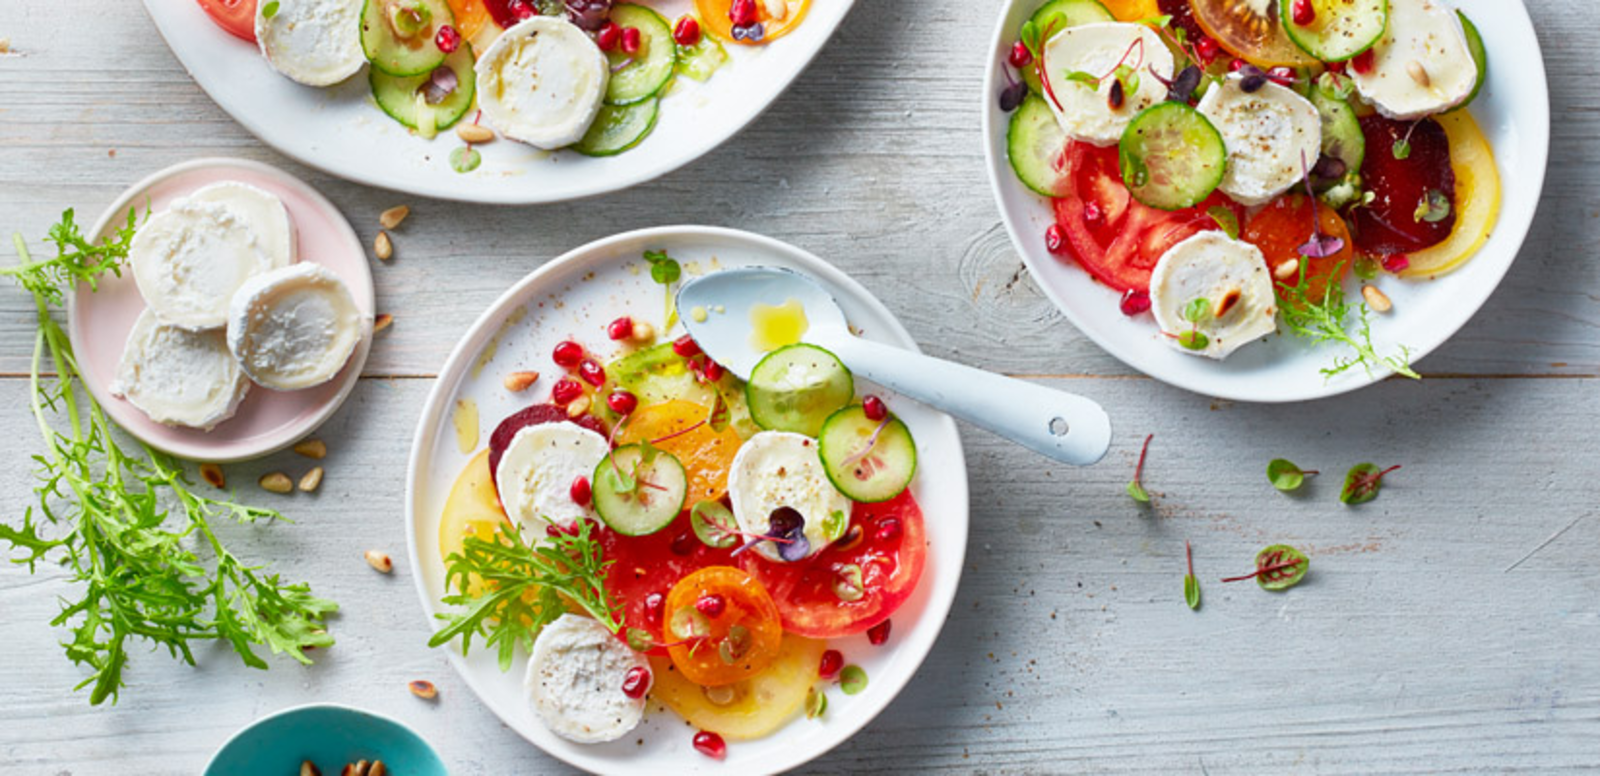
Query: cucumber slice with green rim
867, 474
1172, 157
796, 387
401, 97
1034, 143
1341, 129
1063, 14
617, 128
1341, 29
703, 58
652, 68
659, 487
1480, 57
397, 35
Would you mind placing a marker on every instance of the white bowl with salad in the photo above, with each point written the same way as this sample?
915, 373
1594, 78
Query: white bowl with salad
495, 101
1267, 201
676, 571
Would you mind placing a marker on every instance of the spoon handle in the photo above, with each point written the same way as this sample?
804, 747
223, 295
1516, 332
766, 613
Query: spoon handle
1058, 425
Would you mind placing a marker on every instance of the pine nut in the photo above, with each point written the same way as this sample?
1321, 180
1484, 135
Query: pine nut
379, 560
358, 768
311, 480
474, 133
516, 382
1418, 73
1225, 304
1287, 270
276, 482
382, 246
312, 448
212, 474
423, 689
381, 322
578, 407
392, 217
308, 768
1376, 299
378, 769
643, 332
719, 696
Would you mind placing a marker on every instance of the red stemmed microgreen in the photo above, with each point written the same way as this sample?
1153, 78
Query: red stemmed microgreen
1127, 74
1191, 584
1136, 489
1196, 312
1278, 567
872, 442
680, 432
1362, 482
714, 525
1402, 147
1285, 476
1320, 246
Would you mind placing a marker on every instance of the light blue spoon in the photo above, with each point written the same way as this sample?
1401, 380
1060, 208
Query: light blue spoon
1055, 424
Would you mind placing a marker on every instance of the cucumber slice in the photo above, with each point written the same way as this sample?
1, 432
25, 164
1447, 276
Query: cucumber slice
796, 387
1341, 30
1480, 57
703, 58
657, 496
867, 475
644, 77
1172, 157
401, 97
617, 128
1062, 14
397, 35
1034, 143
1341, 129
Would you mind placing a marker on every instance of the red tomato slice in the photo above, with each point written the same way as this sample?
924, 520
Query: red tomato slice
642, 565
238, 17
890, 561
1114, 237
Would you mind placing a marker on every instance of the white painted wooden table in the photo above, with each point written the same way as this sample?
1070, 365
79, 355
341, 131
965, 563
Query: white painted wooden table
1438, 631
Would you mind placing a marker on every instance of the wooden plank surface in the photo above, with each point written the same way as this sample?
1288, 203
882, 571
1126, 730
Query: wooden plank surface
1411, 648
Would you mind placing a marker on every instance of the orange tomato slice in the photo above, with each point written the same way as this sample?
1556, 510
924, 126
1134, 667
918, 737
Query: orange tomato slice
1132, 10
714, 15
1284, 225
732, 639
472, 18
706, 454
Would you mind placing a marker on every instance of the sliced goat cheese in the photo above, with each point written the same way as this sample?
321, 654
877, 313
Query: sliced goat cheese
179, 377
537, 469
1270, 133
1097, 49
574, 681
315, 42
776, 469
294, 327
542, 82
1231, 275
189, 259
1421, 65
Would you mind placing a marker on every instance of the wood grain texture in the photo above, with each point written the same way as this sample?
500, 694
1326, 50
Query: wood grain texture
1410, 648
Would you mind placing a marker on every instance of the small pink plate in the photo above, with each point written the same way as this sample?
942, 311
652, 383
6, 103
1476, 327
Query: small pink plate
267, 421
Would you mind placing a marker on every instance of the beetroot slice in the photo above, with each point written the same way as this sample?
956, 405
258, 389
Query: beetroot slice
1389, 225
532, 416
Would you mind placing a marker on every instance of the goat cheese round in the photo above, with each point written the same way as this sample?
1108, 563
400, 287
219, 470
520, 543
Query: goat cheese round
1421, 65
1085, 111
1270, 134
775, 469
542, 82
537, 469
1231, 275
294, 327
189, 259
314, 42
179, 377
574, 681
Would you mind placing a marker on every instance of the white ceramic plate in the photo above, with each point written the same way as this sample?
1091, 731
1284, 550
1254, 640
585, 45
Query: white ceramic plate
340, 130
574, 297
1514, 112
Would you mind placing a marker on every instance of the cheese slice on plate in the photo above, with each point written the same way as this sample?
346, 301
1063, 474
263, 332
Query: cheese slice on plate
574, 681
542, 82
776, 469
536, 471
314, 42
1231, 275
1085, 111
294, 327
1421, 65
179, 377
1273, 135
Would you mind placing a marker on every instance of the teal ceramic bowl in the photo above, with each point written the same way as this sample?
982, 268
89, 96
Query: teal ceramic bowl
328, 735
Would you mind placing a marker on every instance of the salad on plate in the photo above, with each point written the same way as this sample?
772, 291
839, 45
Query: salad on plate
655, 531
1226, 167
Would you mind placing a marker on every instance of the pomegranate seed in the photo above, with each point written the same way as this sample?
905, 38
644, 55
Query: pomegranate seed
1135, 302
711, 605
1335, 67
874, 408
565, 390
655, 608
1055, 239
1020, 55
592, 373
1208, 50
1282, 76
879, 633
1236, 65
631, 40
1302, 12
687, 31
1092, 213
710, 744
567, 354
1363, 62
622, 402
447, 39
1397, 263
685, 346
637, 682
889, 530
608, 37
742, 12
712, 371
523, 9
684, 543
580, 492
832, 661
620, 329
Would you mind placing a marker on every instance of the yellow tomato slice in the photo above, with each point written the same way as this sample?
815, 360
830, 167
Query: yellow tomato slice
706, 454
1132, 10
714, 14
1477, 199
472, 509
751, 707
